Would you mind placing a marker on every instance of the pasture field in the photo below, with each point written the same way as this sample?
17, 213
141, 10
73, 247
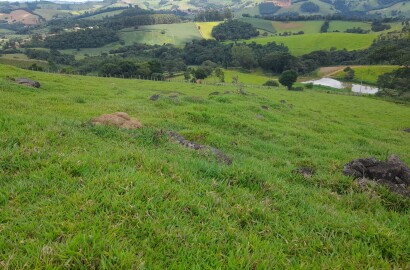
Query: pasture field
255, 78
342, 26
21, 61
49, 14
78, 196
302, 44
177, 34
309, 27
205, 28
261, 24
367, 74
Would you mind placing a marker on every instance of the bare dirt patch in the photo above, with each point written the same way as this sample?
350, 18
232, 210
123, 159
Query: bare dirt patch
118, 119
21, 16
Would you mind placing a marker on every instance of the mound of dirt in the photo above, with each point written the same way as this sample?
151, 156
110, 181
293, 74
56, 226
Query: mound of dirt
222, 158
27, 82
393, 173
118, 119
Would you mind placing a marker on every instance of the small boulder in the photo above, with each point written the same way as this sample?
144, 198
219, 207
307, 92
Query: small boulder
214, 93
28, 82
393, 170
265, 107
118, 119
406, 130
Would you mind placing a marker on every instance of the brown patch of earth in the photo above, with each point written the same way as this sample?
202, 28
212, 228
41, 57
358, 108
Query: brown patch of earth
118, 119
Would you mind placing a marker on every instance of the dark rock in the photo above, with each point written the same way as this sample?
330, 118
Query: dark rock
28, 82
154, 97
283, 101
265, 107
222, 158
394, 173
407, 130
305, 171
214, 93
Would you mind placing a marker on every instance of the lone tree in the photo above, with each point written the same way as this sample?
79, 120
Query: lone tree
288, 78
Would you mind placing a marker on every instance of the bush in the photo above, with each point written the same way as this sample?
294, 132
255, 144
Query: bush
309, 85
298, 88
271, 83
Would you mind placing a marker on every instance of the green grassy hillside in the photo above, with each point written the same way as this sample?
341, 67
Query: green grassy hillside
366, 74
177, 34
77, 196
302, 44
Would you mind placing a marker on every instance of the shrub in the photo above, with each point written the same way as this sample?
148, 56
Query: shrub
271, 83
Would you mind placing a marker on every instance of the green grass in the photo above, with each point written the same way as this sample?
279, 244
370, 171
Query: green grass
205, 28
255, 78
177, 34
261, 24
342, 26
81, 197
302, 44
21, 60
367, 74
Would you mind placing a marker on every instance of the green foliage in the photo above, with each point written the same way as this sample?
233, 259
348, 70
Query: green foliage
87, 38
288, 78
273, 83
234, 30
325, 27
309, 7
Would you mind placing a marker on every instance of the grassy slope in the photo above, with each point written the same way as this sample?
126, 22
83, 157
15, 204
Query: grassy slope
177, 34
95, 197
302, 44
205, 28
260, 24
367, 74
309, 27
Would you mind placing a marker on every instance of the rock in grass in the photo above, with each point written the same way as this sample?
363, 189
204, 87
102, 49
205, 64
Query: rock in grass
406, 130
222, 157
394, 173
28, 82
154, 97
118, 119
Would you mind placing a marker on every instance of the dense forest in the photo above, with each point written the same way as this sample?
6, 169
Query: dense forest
234, 30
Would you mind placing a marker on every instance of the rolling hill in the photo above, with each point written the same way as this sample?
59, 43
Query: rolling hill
78, 196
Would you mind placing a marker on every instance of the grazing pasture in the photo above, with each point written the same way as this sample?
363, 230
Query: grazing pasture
78, 196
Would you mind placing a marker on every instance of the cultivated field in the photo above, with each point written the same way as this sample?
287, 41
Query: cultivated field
79, 196
20, 16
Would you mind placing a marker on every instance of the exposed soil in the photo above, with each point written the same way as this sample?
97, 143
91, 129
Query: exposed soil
118, 119
393, 173
222, 158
